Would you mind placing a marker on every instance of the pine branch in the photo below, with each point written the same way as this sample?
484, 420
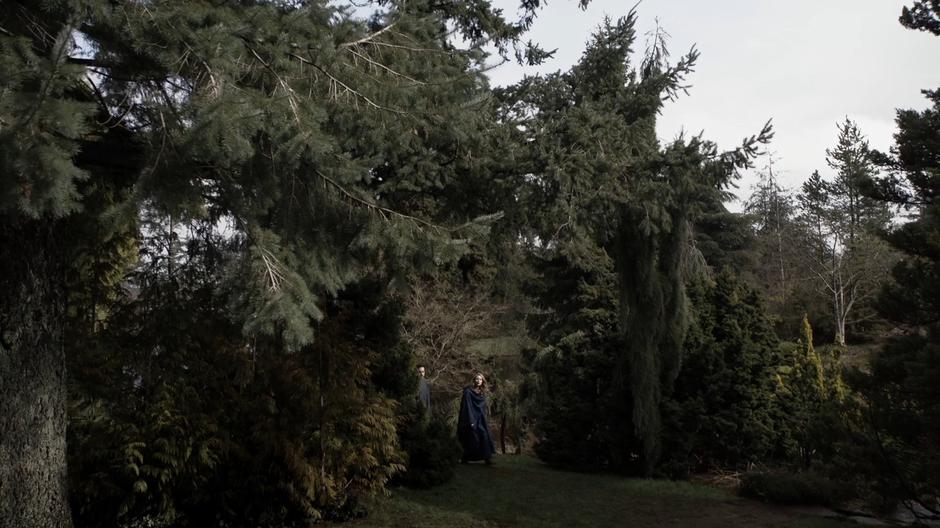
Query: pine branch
100, 97
59, 57
742, 156
385, 212
91, 63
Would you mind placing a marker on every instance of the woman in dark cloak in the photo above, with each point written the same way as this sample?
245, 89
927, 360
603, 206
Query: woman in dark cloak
473, 430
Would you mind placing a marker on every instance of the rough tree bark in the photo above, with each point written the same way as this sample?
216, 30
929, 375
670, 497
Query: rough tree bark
33, 405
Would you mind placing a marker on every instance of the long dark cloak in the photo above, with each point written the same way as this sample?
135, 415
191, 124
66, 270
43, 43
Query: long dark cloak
473, 430
424, 392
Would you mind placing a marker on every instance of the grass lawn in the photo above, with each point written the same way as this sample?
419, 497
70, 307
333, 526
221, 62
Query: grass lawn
521, 492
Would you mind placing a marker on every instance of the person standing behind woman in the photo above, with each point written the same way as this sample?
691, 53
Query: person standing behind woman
473, 430
424, 389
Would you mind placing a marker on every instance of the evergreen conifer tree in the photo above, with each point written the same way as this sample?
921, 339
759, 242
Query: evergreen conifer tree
609, 190
771, 209
721, 413
327, 142
902, 388
811, 392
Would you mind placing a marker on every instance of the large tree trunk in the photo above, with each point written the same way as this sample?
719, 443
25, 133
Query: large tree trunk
33, 413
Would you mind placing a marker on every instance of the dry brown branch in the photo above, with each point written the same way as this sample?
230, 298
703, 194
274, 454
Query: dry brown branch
273, 270
385, 212
334, 91
409, 48
286, 87
368, 38
384, 67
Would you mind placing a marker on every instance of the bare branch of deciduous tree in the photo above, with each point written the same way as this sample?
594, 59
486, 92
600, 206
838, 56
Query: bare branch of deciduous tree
440, 323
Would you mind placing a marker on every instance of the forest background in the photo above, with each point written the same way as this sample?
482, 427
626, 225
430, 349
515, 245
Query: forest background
231, 230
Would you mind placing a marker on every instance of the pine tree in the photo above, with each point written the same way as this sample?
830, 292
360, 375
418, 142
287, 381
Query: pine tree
924, 16
328, 143
901, 390
852, 160
582, 418
772, 209
725, 240
837, 230
42, 118
785, 243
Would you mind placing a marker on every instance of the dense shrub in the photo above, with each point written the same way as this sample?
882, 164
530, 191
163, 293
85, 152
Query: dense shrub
812, 402
431, 448
176, 422
428, 442
807, 488
721, 412
582, 412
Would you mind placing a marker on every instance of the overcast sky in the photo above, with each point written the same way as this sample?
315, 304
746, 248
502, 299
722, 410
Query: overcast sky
807, 64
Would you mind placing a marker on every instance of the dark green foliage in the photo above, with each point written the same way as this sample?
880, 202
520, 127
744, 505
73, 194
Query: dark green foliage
901, 390
190, 427
285, 166
924, 16
145, 396
610, 195
43, 114
805, 488
902, 387
331, 150
582, 415
653, 309
431, 446
724, 240
721, 413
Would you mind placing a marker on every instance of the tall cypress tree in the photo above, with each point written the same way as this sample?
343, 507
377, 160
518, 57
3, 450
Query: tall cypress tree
609, 190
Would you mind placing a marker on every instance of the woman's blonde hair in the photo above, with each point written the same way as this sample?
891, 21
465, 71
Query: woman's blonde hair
482, 385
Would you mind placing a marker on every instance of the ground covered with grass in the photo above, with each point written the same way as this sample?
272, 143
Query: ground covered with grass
520, 491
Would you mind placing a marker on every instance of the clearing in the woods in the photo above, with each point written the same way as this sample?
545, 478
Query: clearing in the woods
520, 491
